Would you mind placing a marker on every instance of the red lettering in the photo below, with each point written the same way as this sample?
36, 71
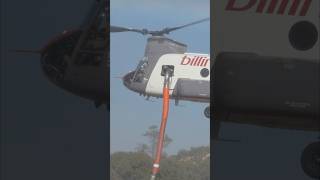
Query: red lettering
231, 5
261, 6
305, 7
205, 62
200, 60
272, 6
195, 61
294, 7
183, 60
283, 6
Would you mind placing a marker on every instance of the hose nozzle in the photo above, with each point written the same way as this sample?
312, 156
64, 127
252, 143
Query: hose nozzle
153, 177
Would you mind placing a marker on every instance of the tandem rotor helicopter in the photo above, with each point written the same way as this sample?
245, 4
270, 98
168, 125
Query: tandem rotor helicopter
167, 71
242, 75
191, 79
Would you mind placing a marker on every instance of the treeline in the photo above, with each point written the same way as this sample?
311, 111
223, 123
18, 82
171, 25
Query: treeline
193, 164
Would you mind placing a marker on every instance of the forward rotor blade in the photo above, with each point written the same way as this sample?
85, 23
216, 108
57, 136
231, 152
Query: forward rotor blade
26, 51
118, 29
115, 29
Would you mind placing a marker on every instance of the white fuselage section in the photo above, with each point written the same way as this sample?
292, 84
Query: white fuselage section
262, 27
187, 66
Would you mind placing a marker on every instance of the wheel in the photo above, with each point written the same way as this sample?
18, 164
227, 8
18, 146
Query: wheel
310, 160
207, 112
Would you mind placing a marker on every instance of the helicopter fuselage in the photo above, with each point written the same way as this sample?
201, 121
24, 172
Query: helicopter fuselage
190, 80
86, 76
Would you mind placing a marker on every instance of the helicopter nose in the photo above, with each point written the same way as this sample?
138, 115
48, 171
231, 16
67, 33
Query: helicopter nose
132, 85
126, 79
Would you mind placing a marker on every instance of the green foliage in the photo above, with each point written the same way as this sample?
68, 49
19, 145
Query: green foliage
193, 164
130, 166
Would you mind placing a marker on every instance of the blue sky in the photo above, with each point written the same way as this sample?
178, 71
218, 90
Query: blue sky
131, 114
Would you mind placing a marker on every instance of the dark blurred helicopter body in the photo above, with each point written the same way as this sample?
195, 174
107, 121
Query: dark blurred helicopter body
77, 60
271, 80
86, 77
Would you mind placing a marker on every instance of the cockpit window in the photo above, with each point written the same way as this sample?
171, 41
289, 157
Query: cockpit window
140, 70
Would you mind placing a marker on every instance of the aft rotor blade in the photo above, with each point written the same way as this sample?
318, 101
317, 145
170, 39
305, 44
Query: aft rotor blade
115, 29
168, 30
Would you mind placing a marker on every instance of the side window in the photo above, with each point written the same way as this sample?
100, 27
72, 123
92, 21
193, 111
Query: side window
204, 72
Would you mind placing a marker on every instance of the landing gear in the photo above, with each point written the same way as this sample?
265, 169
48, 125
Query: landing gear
310, 160
207, 112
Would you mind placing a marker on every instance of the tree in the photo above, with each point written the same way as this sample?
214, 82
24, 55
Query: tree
152, 135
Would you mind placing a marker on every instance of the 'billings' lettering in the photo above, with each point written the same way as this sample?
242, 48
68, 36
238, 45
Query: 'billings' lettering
185, 60
232, 7
195, 61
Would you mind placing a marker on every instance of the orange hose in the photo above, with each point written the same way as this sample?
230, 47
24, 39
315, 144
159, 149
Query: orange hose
165, 110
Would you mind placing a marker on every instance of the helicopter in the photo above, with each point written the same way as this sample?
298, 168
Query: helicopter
272, 80
191, 79
241, 74
77, 60
167, 71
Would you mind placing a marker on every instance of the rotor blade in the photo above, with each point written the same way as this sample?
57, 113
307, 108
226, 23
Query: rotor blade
118, 29
115, 29
26, 51
168, 30
92, 13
